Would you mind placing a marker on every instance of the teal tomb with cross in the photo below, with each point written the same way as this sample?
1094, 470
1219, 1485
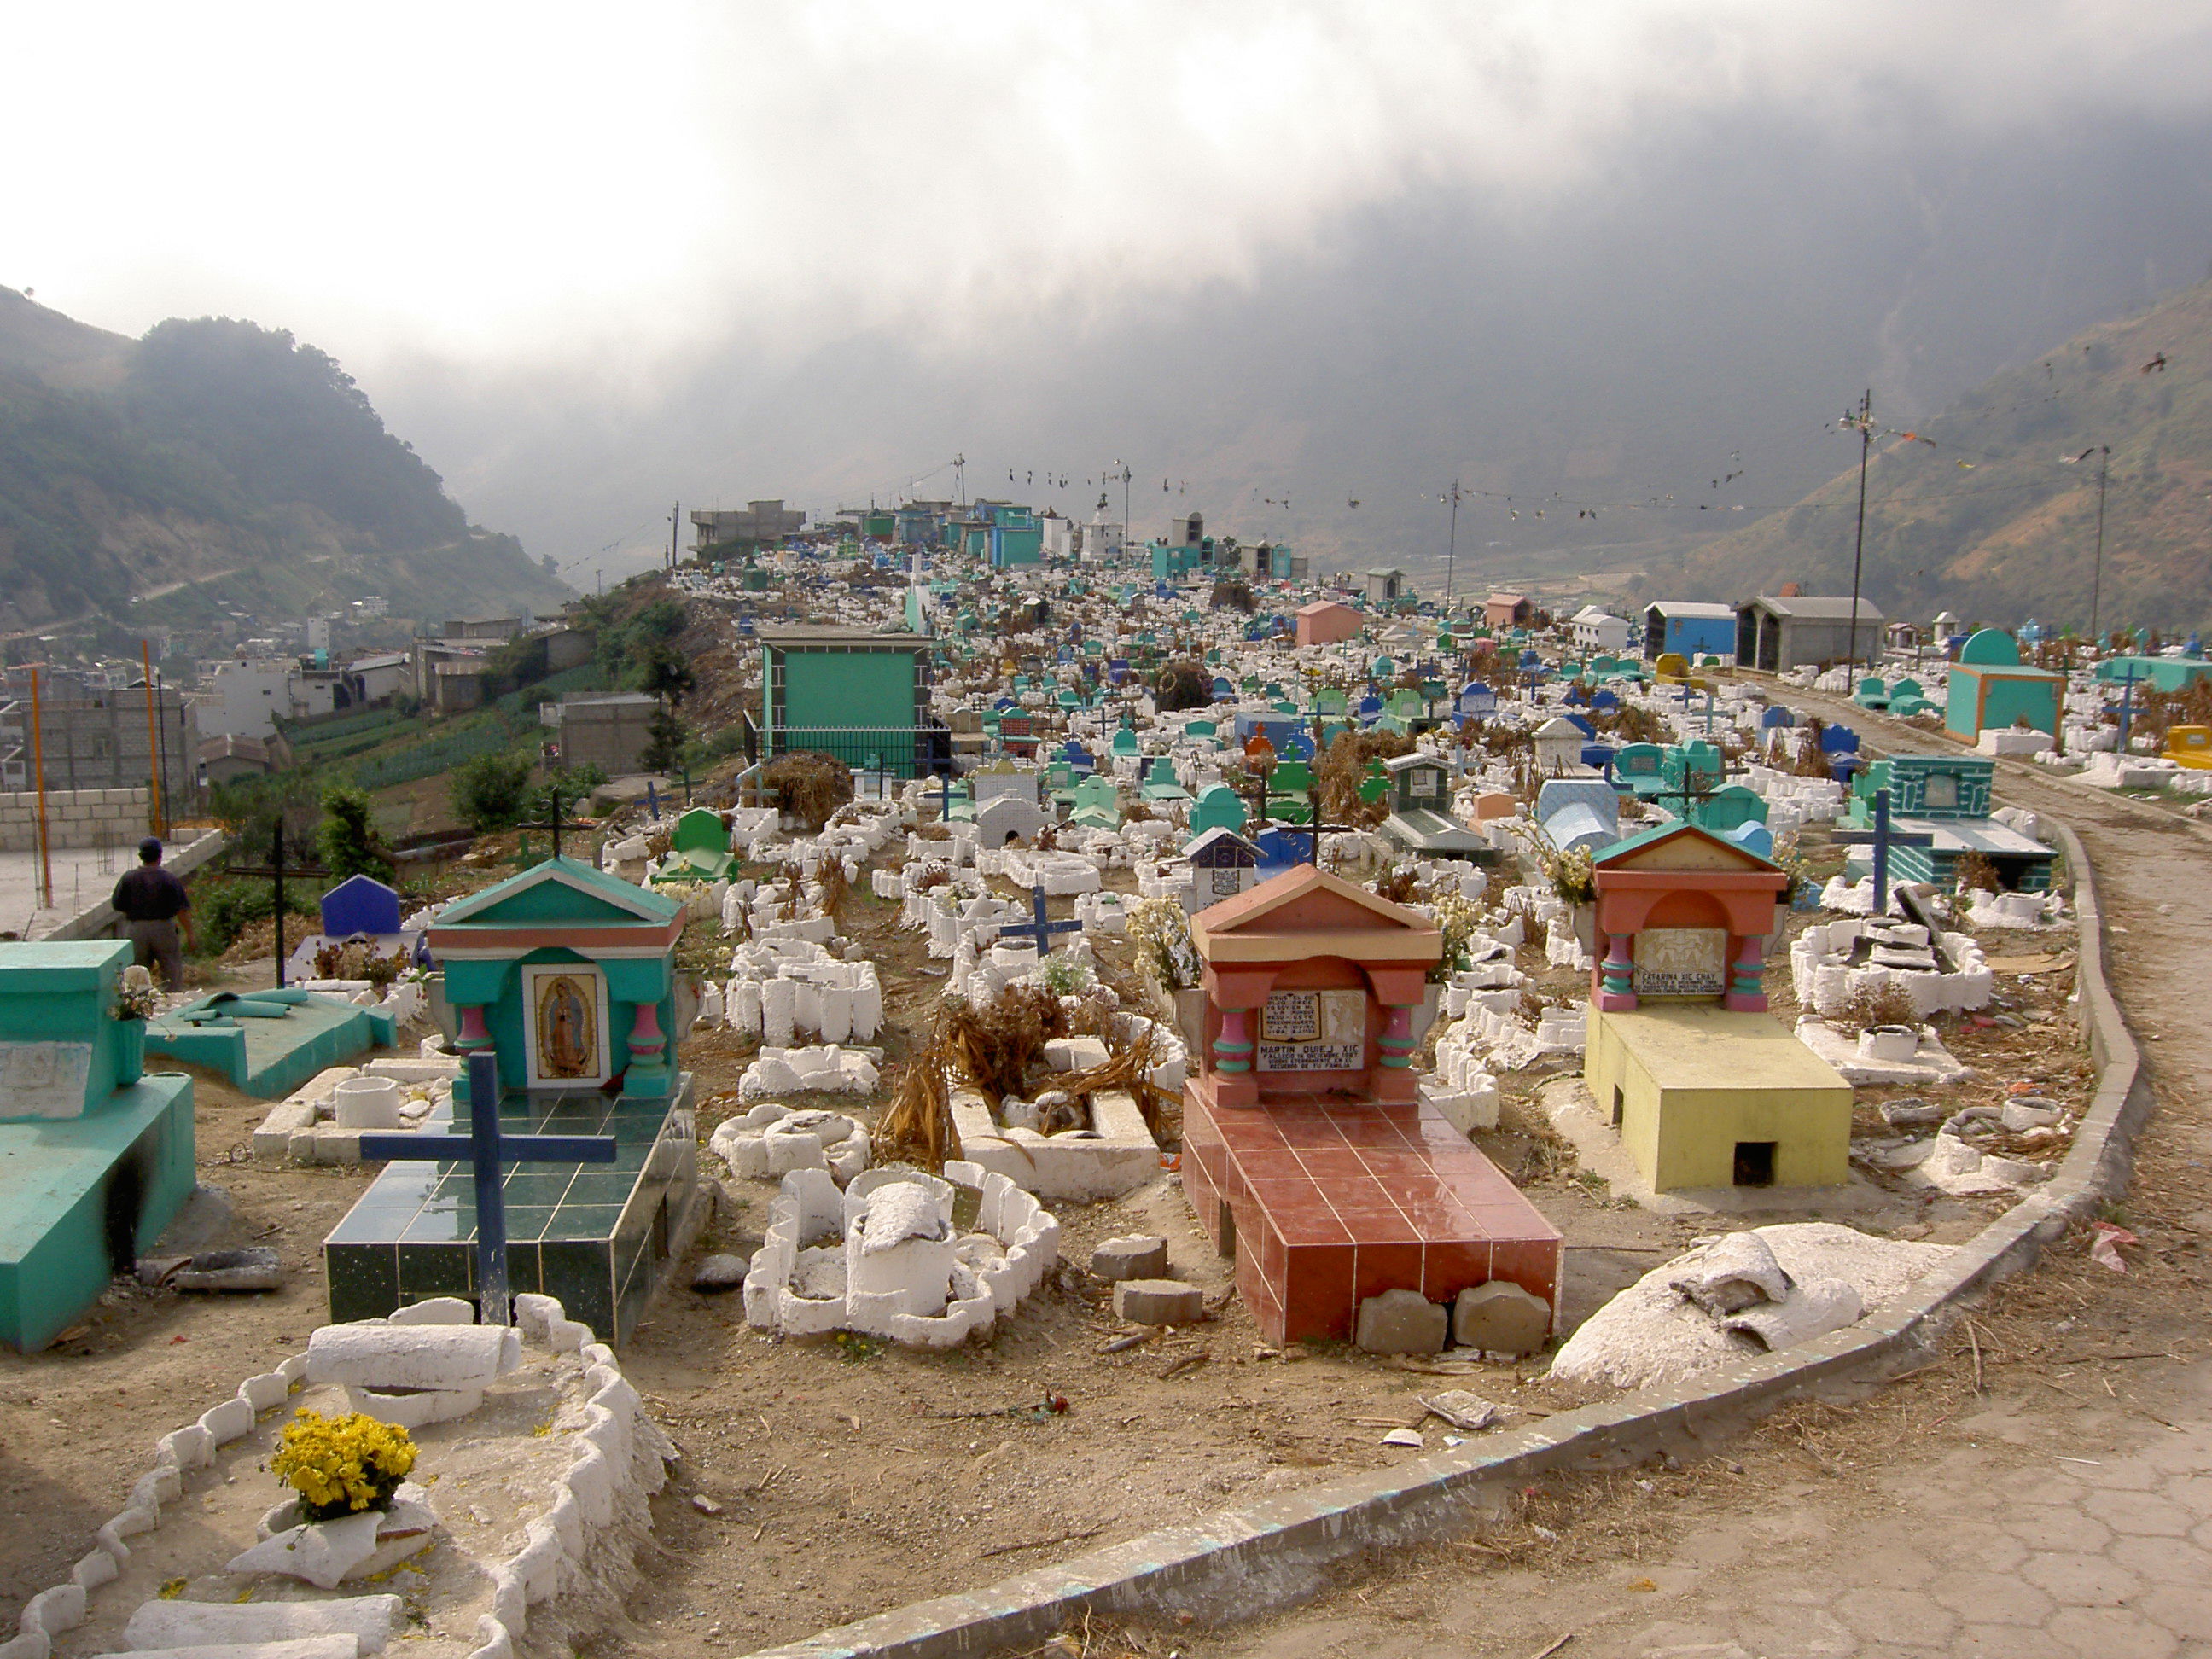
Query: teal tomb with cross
564, 976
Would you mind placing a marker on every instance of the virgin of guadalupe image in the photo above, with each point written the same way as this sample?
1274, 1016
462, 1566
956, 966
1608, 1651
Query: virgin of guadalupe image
566, 1032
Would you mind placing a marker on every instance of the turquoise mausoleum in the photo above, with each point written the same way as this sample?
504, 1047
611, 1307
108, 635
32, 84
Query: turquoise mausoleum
95, 1156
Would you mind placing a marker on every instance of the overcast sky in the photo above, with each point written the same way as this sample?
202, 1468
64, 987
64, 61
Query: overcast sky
593, 259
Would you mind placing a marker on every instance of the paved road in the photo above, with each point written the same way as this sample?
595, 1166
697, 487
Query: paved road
2066, 1511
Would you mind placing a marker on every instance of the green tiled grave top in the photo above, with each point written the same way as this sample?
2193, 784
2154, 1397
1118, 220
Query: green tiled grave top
426, 1203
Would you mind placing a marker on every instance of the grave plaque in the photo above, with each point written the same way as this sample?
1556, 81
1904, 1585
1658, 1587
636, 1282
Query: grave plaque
1314, 1031
44, 1080
1226, 883
1681, 961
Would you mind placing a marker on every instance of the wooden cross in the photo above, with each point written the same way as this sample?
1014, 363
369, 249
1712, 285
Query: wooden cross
276, 869
483, 1149
1039, 928
1883, 838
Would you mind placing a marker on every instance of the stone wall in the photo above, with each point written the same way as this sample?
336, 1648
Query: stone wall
75, 817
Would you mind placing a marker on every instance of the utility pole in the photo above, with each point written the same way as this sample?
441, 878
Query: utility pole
2097, 570
1864, 421
675, 521
1128, 473
1451, 548
960, 477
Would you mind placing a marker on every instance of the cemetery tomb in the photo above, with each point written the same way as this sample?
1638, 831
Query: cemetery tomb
698, 851
1706, 1088
565, 975
95, 1154
268, 1042
1939, 810
1421, 819
1990, 688
359, 908
1309, 1155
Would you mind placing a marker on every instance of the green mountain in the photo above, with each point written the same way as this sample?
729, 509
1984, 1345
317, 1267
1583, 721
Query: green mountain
216, 465
1990, 509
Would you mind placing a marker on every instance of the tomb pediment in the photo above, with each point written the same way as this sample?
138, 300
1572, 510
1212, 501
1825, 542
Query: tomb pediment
561, 892
1288, 914
1682, 847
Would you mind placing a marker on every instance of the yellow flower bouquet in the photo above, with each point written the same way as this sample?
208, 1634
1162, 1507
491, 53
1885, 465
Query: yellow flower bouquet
342, 1465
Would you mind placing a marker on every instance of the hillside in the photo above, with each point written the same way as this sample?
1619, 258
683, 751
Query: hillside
215, 464
1977, 512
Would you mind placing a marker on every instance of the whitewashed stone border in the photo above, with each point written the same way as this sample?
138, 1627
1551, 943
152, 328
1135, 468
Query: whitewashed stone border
621, 1452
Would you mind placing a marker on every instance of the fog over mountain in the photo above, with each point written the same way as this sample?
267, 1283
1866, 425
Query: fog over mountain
1321, 253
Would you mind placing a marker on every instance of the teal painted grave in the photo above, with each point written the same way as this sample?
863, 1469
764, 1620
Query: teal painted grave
268, 1042
566, 976
94, 1158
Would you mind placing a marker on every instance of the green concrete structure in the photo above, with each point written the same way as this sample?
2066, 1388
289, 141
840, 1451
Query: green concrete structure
1988, 687
2162, 673
94, 1157
845, 692
1947, 796
265, 1054
567, 975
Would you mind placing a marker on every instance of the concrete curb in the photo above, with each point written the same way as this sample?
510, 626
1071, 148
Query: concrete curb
1239, 1562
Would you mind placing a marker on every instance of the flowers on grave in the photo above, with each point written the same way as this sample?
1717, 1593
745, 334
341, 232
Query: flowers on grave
136, 997
1458, 921
1067, 976
359, 958
342, 1465
1572, 874
1160, 928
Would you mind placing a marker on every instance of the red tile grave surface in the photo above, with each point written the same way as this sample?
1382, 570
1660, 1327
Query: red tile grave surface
1331, 1201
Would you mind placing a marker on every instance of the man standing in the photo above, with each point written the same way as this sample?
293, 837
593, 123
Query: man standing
152, 903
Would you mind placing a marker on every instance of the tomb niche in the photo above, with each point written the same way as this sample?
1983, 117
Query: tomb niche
1705, 1087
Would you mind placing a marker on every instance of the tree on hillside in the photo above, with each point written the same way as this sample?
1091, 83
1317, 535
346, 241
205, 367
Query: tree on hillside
288, 424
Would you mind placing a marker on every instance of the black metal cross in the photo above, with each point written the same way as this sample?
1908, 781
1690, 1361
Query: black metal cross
1313, 803
1039, 929
482, 1149
276, 869
554, 825
1883, 838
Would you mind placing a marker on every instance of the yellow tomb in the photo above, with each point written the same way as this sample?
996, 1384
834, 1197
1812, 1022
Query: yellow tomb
1704, 1086
1705, 1097
2189, 746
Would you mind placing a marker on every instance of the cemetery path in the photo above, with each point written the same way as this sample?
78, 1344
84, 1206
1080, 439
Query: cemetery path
2045, 1488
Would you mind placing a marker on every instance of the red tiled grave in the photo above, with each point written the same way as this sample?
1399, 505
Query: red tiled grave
1334, 1200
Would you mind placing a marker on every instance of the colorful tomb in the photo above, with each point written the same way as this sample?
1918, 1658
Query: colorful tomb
95, 1156
1988, 687
1946, 798
566, 975
1705, 1087
1308, 1156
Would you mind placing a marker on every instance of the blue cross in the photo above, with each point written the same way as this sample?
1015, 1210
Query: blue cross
1883, 838
1039, 929
945, 797
2128, 683
482, 1149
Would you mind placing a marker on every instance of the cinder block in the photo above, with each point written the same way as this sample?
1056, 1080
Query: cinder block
1401, 1321
1160, 1302
1500, 1317
1138, 1256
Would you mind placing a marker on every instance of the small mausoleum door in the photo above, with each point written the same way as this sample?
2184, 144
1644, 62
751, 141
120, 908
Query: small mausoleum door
564, 1024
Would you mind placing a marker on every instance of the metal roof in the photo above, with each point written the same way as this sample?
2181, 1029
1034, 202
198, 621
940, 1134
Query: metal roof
1815, 610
